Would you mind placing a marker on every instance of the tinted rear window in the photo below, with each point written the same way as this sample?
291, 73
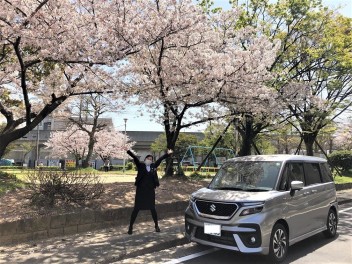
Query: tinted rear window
312, 173
325, 172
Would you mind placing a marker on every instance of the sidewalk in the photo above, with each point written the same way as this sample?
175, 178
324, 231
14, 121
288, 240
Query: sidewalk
344, 196
107, 245
100, 246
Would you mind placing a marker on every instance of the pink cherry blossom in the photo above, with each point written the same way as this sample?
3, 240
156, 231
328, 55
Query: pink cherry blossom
74, 143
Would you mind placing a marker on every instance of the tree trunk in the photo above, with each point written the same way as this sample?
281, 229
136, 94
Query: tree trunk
171, 138
85, 162
248, 136
309, 139
3, 145
246, 146
286, 144
330, 145
77, 162
9, 137
11, 134
249, 131
171, 143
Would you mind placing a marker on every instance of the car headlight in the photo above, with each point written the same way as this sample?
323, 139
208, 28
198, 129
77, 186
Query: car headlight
257, 208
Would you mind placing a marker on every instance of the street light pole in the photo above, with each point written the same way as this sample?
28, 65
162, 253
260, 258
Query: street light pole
37, 148
124, 159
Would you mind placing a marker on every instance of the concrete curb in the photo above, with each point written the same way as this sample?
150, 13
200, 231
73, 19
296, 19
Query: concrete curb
100, 246
345, 201
25, 230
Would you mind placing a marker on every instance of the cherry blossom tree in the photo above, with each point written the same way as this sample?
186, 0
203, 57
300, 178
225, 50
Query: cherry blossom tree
87, 113
68, 143
47, 48
112, 144
193, 69
75, 142
343, 136
252, 101
313, 64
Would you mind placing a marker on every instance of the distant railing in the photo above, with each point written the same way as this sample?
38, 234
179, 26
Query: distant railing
203, 169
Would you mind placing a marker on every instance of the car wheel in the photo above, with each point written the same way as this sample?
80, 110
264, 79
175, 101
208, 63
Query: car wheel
278, 243
331, 224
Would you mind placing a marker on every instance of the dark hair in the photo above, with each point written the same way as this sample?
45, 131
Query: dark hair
148, 157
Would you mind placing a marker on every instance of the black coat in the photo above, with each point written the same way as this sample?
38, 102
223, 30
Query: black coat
146, 182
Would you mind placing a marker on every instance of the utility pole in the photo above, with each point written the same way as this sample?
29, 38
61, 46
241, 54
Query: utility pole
124, 159
37, 148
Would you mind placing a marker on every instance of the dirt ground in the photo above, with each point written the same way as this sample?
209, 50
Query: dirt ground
15, 205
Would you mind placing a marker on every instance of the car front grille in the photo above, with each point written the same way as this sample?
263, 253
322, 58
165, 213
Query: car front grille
216, 210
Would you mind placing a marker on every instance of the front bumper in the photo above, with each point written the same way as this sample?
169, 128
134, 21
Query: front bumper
233, 237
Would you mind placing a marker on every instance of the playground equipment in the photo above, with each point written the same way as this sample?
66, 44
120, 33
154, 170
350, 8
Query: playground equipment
217, 157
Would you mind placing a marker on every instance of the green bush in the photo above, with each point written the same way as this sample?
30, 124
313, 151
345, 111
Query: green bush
48, 168
51, 187
129, 165
11, 167
341, 159
115, 168
5, 175
198, 176
9, 182
112, 168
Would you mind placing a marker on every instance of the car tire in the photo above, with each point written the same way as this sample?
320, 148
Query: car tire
331, 224
278, 244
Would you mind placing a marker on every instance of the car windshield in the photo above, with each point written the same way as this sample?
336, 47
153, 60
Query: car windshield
247, 176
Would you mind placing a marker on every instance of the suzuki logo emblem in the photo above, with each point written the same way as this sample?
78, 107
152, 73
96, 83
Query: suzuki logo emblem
212, 208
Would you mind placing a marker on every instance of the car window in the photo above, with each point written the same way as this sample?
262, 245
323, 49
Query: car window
325, 172
312, 173
247, 176
293, 172
296, 172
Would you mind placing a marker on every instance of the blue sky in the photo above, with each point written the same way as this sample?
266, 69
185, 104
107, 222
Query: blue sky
143, 123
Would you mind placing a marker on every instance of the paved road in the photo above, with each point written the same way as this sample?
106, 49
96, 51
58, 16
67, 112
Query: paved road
316, 249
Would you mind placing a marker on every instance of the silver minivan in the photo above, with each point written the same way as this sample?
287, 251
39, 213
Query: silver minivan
262, 204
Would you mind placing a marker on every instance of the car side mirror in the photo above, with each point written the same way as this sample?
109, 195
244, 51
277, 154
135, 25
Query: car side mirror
295, 186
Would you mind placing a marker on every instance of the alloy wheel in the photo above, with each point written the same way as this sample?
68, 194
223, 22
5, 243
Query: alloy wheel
279, 243
332, 223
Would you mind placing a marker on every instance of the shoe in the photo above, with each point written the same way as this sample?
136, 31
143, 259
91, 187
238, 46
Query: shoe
157, 229
130, 231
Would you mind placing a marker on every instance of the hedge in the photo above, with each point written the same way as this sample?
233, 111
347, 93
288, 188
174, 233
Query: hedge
341, 159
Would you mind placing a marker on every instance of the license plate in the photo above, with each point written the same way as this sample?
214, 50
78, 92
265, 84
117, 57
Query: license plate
212, 229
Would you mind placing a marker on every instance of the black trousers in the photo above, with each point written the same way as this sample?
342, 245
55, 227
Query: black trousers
135, 213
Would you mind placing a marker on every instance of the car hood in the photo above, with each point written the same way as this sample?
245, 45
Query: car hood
232, 196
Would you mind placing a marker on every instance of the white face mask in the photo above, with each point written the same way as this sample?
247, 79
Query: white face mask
148, 162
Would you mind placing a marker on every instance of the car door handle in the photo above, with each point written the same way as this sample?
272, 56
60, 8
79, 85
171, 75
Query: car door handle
314, 191
306, 193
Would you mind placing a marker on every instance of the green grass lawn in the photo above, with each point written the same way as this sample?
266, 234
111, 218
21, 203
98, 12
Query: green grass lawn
342, 179
9, 182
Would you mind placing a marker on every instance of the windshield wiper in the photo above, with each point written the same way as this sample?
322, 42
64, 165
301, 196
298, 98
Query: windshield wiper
229, 188
256, 190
